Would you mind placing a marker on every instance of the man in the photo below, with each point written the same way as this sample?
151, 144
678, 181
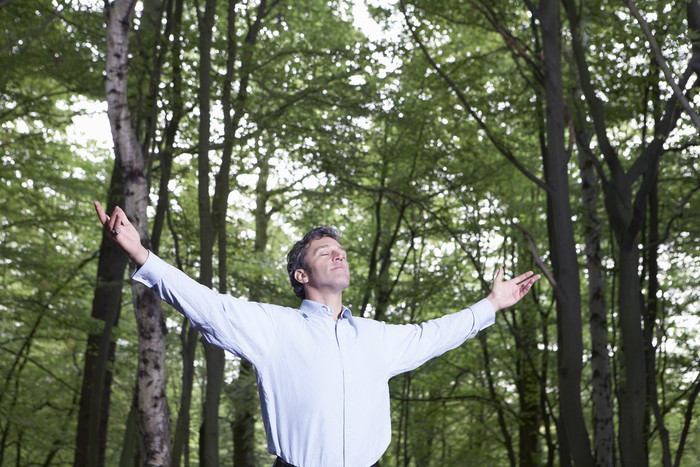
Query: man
322, 373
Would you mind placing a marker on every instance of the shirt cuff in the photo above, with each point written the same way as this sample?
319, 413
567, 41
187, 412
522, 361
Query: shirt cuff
484, 314
150, 272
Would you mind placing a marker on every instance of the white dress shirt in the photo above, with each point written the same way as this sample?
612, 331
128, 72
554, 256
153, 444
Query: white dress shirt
323, 385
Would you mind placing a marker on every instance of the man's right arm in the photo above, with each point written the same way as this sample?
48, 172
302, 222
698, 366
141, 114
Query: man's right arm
241, 327
244, 328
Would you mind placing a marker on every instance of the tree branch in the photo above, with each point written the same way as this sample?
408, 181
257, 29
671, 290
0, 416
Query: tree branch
56, 14
463, 99
536, 256
663, 65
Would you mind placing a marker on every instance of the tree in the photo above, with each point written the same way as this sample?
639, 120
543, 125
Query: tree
427, 147
152, 402
626, 209
91, 435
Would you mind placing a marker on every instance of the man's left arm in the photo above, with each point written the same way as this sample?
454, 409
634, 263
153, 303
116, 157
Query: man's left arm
409, 346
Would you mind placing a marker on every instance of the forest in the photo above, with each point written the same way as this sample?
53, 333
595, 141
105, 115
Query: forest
442, 139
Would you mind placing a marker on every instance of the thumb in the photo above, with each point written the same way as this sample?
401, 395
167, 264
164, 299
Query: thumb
499, 274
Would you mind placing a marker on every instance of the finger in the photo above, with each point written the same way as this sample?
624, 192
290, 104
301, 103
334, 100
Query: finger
101, 213
533, 279
117, 220
523, 277
530, 282
113, 218
120, 220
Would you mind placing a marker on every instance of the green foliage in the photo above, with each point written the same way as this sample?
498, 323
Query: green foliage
364, 135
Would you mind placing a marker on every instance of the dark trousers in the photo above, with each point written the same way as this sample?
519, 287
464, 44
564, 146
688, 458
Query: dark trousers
280, 463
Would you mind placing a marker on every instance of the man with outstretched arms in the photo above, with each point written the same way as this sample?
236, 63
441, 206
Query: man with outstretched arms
322, 373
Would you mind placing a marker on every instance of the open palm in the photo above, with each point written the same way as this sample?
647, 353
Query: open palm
508, 293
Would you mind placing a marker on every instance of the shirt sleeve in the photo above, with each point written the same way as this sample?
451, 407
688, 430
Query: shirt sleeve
241, 327
411, 345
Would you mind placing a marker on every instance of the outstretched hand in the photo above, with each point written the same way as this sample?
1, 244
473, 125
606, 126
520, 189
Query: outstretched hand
123, 233
508, 293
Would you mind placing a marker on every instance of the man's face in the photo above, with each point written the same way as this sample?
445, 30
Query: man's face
327, 266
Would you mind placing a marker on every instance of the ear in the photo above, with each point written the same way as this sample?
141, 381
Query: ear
301, 276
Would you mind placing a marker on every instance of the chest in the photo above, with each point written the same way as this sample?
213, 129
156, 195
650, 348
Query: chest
322, 357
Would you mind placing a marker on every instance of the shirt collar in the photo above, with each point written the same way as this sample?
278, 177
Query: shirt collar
309, 307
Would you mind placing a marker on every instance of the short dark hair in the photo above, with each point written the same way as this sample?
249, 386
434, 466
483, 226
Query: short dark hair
296, 258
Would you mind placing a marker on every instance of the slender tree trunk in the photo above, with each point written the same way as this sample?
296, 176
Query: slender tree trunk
152, 402
528, 388
493, 394
651, 317
402, 454
214, 356
188, 338
574, 440
379, 282
91, 436
601, 379
687, 423
174, 28
601, 388
209, 434
188, 335
133, 451
626, 213
243, 426
633, 394
149, 53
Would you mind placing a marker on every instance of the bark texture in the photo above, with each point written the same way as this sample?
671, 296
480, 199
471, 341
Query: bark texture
601, 394
93, 414
154, 417
573, 435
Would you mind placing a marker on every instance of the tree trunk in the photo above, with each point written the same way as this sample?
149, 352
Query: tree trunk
626, 211
174, 28
209, 434
188, 338
527, 385
601, 379
573, 435
146, 67
132, 446
601, 392
633, 450
91, 435
214, 356
493, 394
188, 335
243, 425
152, 402
651, 318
